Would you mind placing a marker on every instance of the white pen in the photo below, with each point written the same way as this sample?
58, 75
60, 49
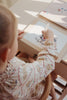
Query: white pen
47, 27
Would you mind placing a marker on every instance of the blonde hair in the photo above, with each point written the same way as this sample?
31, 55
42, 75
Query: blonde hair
7, 27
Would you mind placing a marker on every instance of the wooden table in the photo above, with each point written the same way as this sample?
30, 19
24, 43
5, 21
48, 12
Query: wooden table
27, 11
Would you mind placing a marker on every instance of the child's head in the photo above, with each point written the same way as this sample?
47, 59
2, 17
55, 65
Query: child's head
8, 33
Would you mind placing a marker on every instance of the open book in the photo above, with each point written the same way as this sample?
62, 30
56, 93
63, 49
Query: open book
56, 12
33, 39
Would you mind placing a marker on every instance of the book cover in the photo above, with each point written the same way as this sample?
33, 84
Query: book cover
56, 12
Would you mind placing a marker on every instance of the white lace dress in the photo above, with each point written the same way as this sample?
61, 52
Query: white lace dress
23, 81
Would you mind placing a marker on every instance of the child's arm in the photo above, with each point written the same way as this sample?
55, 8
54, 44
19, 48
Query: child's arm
20, 34
45, 63
28, 75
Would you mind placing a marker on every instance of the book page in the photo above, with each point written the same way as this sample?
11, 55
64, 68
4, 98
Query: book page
34, 36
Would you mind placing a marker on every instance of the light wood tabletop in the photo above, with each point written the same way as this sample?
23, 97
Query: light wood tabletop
28, 10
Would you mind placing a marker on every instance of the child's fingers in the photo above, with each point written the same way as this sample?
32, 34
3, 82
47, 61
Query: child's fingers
24, 55
47, 31
44, 32
20, 32
48, 34
20, 37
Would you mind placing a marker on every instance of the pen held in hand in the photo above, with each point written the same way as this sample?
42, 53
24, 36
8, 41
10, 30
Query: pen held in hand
44, 33
47, 27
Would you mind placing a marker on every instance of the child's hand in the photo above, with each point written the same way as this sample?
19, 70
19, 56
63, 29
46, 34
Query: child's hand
20, 34
31, 60
48, 35
24, 55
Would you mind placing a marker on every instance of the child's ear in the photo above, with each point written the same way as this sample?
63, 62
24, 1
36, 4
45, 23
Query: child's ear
4, 54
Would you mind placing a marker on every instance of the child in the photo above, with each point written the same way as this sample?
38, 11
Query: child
19, 80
